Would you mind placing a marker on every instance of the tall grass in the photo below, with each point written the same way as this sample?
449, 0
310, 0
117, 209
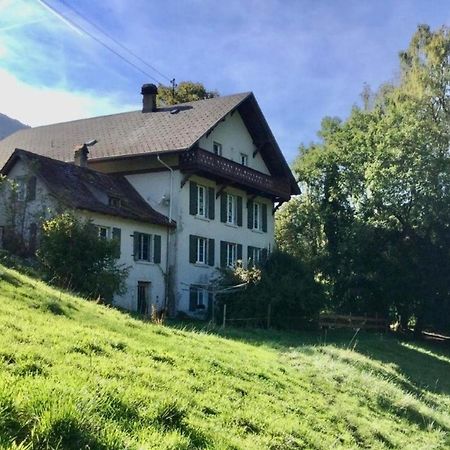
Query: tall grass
76, 375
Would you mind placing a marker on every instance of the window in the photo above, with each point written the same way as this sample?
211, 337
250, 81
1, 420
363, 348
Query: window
147, 247
217, 148
257, 216
21, 190
202, 201
231, 209
115, 202
230, 253
201, 250
244, 159
198, 298
26, 188
254, 255
143, 297
103, 232
202, 244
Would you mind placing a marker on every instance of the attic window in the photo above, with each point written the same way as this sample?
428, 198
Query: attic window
115, 202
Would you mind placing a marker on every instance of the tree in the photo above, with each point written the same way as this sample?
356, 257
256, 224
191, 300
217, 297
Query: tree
378, 186
185, 91
74, 257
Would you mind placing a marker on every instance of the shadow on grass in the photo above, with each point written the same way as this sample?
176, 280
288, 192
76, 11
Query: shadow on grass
424, 364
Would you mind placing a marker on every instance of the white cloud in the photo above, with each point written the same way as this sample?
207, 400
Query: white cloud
35, 106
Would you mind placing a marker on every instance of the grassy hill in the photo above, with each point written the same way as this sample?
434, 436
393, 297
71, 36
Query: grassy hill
76, 375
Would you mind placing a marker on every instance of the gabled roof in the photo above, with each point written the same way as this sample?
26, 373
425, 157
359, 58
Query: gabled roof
81, 188
137, 133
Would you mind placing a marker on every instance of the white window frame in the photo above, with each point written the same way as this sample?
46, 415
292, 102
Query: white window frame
217, 148
202, 250
256, 255
244, 159
231, 254
141, 237
257, 216
231, 209
202, 201
107, 232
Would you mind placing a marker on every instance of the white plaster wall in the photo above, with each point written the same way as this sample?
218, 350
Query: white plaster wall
188, 273
139, 270
235, 139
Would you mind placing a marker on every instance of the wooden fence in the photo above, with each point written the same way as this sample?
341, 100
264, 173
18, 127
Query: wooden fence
349, 321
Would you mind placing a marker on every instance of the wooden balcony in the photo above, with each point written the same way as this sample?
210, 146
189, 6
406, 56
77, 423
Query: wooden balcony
225, 171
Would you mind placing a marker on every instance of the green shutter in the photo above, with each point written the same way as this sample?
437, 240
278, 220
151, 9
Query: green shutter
211, 252
264, 217
211, 203
117, 237
223, 254
192, 298
250, 214
136, 245
239, 211
193, 198
157, 249
223, 207
31, 189
239, 252
192, 249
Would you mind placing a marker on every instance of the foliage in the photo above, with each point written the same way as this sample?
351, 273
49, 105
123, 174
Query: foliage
77, 375
185, 91
73, 256
376, 195
283, 282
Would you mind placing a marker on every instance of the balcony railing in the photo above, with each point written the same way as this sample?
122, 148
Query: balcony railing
227, 171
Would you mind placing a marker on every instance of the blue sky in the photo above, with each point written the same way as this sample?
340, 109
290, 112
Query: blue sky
303, 59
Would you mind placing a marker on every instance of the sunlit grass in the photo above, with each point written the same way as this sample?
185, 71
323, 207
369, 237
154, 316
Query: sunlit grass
75, 375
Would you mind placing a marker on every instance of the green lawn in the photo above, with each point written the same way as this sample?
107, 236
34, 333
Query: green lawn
76, 375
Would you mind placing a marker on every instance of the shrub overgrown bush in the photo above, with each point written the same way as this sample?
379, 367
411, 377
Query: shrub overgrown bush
74, 257
284, 282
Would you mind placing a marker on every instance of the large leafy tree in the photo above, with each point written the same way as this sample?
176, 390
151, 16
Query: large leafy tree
185, 91
378, 185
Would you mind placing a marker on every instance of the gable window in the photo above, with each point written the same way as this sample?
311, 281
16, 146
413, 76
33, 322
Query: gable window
115, 202
201, 250
147, 247
244, 159
257, 216
25, 188
230, 253
201, 201
217, 148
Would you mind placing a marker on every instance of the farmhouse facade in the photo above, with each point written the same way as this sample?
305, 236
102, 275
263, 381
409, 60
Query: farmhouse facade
209, 173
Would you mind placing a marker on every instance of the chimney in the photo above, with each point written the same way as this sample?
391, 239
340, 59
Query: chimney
80, 155
149, 92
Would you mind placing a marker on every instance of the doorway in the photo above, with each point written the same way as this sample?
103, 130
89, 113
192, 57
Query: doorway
143, 297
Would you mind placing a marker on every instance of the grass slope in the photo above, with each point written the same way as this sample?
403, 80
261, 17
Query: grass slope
75, 375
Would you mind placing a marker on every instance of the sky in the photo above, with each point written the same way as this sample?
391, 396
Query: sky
303, 59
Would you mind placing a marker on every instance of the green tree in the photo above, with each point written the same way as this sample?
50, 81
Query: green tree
378, 186
185, 91
74, 257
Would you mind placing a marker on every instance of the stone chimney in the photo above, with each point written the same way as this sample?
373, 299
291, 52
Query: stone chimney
149, 92
80, 155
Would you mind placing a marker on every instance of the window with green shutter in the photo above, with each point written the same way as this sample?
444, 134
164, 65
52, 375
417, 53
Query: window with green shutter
147, 247
201, 250
192, 198
211, 203
223, 207
157, 249
250, 215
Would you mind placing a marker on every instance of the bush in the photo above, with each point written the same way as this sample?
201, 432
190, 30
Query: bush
284, 282
74, 257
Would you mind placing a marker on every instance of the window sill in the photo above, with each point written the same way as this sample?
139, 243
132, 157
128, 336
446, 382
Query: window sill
232, 225
258, 231
145, 263
204, 265
204, 219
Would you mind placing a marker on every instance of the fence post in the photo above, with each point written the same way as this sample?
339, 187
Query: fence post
224, 315
269, 311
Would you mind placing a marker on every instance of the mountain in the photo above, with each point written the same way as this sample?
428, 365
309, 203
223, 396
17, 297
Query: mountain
9, 126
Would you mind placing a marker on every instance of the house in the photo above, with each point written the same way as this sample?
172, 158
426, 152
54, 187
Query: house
211, 169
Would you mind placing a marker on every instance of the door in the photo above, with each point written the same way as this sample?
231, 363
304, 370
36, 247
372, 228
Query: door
143, 297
